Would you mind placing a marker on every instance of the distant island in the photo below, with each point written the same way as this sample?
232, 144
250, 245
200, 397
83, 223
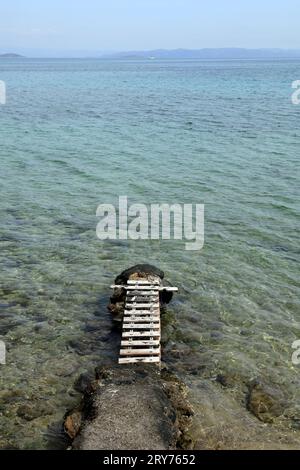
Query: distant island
9, 56
175, 54
225, 53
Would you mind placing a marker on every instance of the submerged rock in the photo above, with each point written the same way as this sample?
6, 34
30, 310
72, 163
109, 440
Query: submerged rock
231, 379
33, 410
128, 407
73, 423
265, 402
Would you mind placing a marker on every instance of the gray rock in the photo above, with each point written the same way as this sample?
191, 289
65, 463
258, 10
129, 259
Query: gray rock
131, 408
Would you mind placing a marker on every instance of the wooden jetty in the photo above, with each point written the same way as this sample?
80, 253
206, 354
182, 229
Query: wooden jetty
141, 329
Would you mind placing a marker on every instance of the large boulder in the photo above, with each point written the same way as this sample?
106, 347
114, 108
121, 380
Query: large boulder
139, 271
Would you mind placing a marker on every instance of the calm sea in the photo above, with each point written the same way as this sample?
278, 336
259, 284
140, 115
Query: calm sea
77, 133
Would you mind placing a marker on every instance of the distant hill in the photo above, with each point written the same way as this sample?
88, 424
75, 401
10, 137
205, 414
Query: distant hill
9, 56
226, 53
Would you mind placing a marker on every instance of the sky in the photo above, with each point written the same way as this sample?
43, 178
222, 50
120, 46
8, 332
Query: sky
82, 27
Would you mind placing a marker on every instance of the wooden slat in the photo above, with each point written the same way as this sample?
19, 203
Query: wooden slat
141, 293
142, 281
141, 326
128, 360
140, 352
142, 300
149, 321
148, 306
140, 334
141, 312
140, 342
136, 305
154, 312
138, 288
139, 318
146, 319
144, 287
141, 323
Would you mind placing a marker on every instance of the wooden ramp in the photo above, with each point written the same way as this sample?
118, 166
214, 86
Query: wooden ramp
141, 323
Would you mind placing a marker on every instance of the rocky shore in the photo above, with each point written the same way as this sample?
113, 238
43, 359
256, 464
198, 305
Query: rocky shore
139, 406
131, 407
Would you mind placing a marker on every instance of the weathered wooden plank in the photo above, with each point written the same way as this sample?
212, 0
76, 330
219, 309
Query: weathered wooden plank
140, 342
141, 323
128, 360
137, 305
142, 293
145, 315
135, 318
154, 312
144, 287
142, 281
141, 326
147, 333
143, 298
138, 288
141, 312
140, 352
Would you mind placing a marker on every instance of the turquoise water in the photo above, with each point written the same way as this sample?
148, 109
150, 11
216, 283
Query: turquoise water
77, 133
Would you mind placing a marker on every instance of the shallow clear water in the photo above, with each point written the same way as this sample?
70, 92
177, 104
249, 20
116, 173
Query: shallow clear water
77, 133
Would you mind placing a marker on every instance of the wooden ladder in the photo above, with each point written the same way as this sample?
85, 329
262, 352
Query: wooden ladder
141, 329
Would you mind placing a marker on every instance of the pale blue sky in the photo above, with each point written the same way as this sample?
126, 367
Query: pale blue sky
56, 26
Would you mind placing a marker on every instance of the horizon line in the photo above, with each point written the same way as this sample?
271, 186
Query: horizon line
130, 54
